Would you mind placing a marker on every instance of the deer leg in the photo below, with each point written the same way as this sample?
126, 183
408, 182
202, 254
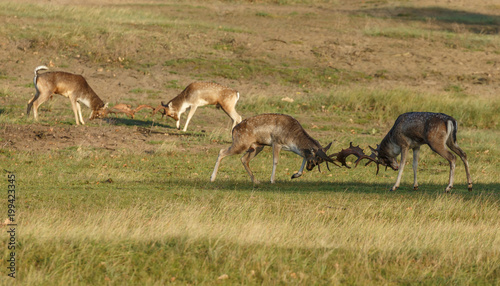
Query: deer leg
223, 153
236, 118
231, 112
455, 148
404, 153
30, 103
416, 151
37, 101
276, 153
445, 153
192, 110
245, 160
299, 173
75, 110
79, 109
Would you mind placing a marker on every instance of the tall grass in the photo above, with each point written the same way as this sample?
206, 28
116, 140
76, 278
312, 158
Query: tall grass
92, 216
126, 217
384, 106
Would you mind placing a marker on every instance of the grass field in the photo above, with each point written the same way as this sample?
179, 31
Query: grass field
112, 204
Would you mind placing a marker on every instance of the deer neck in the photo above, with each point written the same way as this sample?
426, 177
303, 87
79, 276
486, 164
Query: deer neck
179, 103
305, 145
389, 148
93, 102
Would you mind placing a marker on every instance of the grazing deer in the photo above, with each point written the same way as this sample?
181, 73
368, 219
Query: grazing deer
72, 86
410, 131
279, 131
199, 94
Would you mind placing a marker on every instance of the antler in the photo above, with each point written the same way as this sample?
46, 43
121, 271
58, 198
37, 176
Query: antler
356, 151
142, 106
373, 157
122, 108
321, 153
158, 109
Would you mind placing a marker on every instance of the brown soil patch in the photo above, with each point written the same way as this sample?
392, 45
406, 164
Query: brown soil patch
315, 39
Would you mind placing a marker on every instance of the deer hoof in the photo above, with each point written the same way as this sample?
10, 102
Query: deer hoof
415, 188
296, 175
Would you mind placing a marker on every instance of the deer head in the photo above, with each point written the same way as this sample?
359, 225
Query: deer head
381, 159
317, 157
100, 113
169, 110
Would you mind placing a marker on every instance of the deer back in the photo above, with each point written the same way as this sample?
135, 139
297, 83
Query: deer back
266, 129
205, 93
414, 129
69, 85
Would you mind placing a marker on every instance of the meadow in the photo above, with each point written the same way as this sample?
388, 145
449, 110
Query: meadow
128, 201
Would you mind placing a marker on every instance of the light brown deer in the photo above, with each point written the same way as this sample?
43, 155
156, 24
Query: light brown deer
199, 94
413, 129
72, 86
279, 131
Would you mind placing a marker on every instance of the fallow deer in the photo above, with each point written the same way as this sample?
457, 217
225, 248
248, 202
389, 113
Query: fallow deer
279, 131
72, 86
199, 94
413, 129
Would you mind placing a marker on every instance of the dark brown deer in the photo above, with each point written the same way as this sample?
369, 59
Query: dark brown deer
72, 86
199, 94
413, 129
279, 131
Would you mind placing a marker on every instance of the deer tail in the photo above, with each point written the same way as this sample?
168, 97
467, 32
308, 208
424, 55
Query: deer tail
37, 93
38, 68
452, 127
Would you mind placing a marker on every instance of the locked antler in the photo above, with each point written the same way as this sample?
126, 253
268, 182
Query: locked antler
374, 158
159, 108
122, 108
356, 151
142, 106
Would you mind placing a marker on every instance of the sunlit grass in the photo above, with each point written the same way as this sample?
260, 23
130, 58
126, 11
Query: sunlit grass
96, 216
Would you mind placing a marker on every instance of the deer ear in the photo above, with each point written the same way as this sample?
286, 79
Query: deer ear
321, 154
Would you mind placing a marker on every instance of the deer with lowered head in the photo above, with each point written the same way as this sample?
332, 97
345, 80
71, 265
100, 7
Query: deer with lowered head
72, 86
199, 94
281, 132
410, 131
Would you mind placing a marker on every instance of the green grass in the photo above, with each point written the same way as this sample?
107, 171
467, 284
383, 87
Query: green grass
160, 218
383, 106
255, 69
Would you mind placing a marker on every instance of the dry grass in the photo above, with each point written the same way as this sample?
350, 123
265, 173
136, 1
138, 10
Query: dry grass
128, 215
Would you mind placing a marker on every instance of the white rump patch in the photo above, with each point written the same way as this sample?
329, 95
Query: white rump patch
449, 128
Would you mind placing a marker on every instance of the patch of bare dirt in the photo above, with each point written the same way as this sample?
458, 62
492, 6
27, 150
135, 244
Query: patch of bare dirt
41, 138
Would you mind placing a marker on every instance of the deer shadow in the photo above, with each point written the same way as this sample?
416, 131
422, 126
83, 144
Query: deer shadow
446, 18
135, 122
304, 187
